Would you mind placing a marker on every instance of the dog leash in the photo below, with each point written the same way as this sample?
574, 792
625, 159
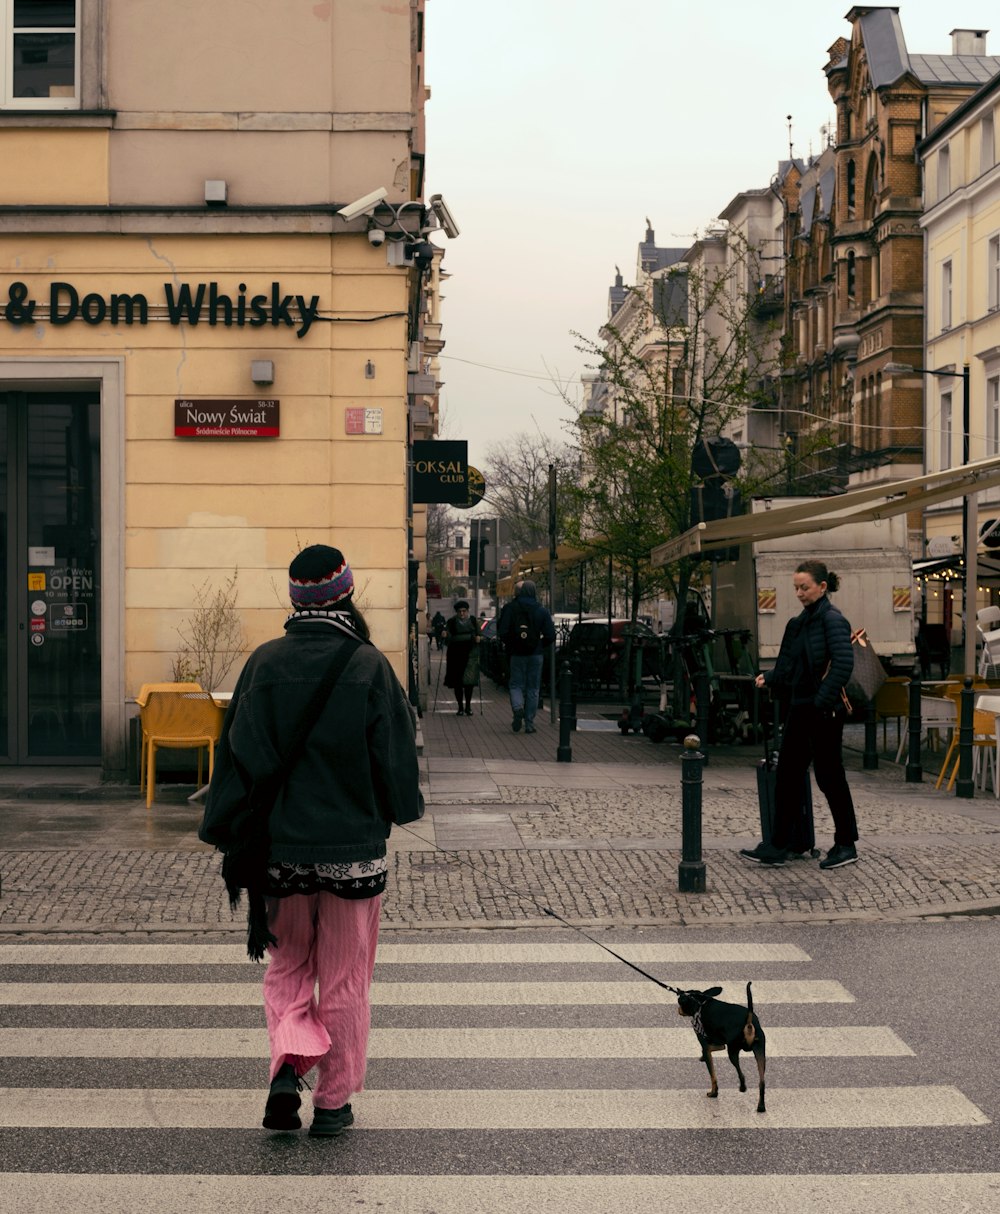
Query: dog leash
546, 910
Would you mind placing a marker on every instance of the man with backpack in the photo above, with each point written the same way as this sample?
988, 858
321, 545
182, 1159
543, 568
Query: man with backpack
526, 631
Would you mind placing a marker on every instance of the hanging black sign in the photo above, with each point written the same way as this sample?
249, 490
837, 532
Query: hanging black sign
440, 471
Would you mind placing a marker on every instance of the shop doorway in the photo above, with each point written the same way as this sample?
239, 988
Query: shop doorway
50, 561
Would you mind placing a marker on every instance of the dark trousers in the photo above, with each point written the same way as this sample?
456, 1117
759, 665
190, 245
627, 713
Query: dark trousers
816, 738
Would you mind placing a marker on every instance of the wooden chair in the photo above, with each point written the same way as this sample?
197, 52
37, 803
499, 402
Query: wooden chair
141, 699
179, 720
893, 700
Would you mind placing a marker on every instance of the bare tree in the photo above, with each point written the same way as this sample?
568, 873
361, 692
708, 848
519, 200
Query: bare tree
517, 486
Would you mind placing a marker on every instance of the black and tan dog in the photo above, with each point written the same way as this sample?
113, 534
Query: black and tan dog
724, 1026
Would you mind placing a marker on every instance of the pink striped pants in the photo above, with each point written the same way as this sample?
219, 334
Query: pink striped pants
316, 989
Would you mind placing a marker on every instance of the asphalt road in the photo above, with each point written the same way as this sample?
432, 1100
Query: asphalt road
530, 1060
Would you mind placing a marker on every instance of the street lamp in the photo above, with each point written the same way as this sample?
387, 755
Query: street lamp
970, 511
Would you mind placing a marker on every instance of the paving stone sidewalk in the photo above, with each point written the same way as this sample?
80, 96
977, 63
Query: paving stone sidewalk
509, 833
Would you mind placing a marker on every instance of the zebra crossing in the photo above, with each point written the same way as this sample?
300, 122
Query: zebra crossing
505, 1074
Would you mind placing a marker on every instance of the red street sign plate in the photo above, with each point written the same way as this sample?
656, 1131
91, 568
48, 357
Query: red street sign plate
226, 418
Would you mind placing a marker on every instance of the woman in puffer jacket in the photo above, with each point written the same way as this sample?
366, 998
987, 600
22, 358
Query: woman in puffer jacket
814, 664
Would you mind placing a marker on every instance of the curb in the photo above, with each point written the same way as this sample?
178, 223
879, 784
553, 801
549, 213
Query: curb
983, 908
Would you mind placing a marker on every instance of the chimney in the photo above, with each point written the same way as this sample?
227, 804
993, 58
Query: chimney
968, 42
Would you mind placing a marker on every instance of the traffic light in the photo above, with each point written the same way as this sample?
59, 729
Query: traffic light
477, 555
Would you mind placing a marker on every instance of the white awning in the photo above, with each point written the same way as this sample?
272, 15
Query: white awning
825, 513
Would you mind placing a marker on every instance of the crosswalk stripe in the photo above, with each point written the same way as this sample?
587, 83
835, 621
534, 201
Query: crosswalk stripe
498, 1109
479, 1043
410, 994
458, 952
927, 1193
887, 1193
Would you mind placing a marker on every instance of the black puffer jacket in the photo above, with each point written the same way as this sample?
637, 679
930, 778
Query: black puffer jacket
358, 772
826, 637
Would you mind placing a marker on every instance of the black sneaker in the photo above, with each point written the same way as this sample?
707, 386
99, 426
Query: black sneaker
528, 728
282, 1109
839, 855
331, 1123
764, 853
518, 718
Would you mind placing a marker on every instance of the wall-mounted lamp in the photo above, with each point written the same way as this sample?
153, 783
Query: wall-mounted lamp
216, 193
369, 369
262, 371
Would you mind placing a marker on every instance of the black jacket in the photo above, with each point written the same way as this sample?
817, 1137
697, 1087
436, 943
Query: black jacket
826, 637
358, 771
543, 623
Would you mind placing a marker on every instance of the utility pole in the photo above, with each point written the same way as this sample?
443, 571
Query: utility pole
553, 556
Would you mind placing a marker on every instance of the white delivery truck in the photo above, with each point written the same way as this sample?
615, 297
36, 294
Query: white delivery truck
876, 591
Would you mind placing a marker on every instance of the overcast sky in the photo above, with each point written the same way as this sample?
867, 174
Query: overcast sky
556, 126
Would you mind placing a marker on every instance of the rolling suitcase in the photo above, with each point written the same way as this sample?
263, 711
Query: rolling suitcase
804, 835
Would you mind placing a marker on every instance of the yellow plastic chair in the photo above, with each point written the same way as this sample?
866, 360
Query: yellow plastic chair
984, 737
179, 720
141, 699
982, 729
893, 700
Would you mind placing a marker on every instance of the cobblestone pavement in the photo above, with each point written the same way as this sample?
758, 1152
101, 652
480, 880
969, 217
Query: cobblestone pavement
509, 834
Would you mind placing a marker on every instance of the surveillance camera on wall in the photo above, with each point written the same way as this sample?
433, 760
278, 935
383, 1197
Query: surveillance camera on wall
376, 237
444, 216
363, 206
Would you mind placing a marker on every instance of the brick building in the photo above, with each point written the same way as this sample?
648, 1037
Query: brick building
855, 261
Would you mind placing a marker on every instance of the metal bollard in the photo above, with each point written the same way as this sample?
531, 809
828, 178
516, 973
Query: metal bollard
964, 786
567, 718
870, 759
914, 771
691, 870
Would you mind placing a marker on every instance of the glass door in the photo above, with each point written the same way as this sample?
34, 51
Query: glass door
50, 536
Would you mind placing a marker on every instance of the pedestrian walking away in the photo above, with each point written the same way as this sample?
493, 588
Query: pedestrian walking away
316, 761
813, 666
461, 667
437, 629
526, 630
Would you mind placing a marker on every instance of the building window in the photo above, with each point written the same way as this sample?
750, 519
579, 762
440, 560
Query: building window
851, 188
851, 271
993, 273
459, 564
945, 430
946, 278
987, 144
943, 172
40, 67
993, 415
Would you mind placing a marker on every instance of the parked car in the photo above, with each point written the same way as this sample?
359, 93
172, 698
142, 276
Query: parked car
599, 653
492, 655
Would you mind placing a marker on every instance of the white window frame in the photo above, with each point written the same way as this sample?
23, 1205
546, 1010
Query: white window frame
993, 415
993, 272
7, 34
947, 280
987, 143
945, 413
943, 172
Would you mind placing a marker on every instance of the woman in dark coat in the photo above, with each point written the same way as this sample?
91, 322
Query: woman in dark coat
316, 762
461, 669
814, 664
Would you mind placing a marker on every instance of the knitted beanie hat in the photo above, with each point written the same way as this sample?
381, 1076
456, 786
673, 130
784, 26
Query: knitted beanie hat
319, 577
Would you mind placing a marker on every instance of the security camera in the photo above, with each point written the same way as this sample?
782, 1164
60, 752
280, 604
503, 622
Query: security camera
376, 237
444, 216
363, 206
422, 254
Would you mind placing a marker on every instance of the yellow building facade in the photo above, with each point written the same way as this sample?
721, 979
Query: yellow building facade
204, 365
961, 222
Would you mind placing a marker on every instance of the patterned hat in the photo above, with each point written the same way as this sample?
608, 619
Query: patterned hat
319, 577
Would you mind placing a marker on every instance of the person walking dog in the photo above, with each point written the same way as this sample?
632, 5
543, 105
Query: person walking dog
814, 664
461, 665
316, 761
526, 629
